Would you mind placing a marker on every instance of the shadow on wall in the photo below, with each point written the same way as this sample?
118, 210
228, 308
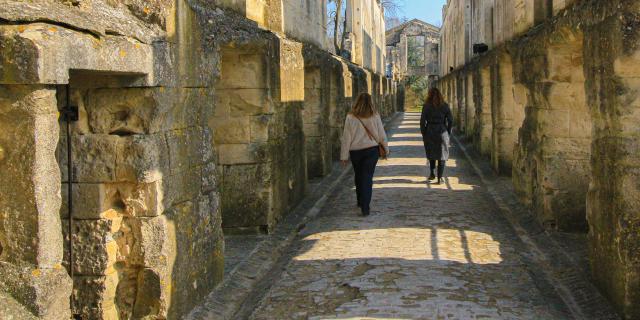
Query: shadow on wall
552, 157
259, 135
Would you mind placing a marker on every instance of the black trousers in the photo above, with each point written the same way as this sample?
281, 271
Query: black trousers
441, 165
364, 165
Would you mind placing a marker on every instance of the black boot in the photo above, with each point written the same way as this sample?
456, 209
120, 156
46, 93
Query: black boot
441, 165
432, 169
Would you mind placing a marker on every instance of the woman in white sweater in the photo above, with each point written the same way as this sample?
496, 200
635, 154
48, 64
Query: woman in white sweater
363, 133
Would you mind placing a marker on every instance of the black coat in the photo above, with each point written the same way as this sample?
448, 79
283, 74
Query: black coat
434, 121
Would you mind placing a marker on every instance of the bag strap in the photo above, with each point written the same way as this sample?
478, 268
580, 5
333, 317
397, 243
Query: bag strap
367, 130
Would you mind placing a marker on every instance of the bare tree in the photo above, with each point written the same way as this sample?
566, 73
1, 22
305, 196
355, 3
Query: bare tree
336, 26
338, 21
391, 7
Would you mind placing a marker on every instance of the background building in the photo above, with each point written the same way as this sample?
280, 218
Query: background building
413, 58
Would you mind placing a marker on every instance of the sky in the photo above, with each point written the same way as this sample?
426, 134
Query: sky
426, 10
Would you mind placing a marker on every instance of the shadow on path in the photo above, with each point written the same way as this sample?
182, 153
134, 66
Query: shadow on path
427, 251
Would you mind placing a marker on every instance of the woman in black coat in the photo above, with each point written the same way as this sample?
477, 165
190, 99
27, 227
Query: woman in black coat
435, 125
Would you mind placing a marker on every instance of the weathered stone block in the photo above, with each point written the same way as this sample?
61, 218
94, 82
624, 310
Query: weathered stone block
154, 12
231, 130
291, 77
207, 150
90, 201
179, 150
613, 236
95, 250
313, 130
51, 51
164, 65
318, 155
94, 158
559, 5
199, 238
103, 19
181, 187
29, 176
565, 184
44, 292
259, 128
626, 66
241, 102
241, 70
21, 70
242, 207
142, 158
155, 239
106, 201
233, 154
209, 177
195, 106
567, 96
560, 64
95, 296
62, 159
12, 309
288, 165
249, 102
200, 150
312, 79
140, 200
566, 148
131, 111
151, 298
555, 122
581, 125
520, 95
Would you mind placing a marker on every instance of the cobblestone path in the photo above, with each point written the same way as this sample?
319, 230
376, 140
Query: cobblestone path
426, 252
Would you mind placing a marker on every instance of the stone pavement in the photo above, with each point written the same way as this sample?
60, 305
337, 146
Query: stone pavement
426, 252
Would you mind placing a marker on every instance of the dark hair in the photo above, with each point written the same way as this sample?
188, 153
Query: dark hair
363, 108
434, 98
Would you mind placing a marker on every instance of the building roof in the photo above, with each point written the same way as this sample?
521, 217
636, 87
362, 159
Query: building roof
412, 27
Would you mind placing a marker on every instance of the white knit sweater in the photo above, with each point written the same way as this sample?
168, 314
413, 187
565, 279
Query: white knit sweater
355, 137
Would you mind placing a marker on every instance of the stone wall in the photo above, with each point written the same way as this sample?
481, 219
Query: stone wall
194, 117
557, 110
140, 172
365, 27
490, 22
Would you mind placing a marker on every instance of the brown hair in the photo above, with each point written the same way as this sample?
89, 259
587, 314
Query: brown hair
434, 98
363, 108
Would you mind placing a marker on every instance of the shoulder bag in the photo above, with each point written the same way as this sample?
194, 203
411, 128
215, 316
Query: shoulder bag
381, 150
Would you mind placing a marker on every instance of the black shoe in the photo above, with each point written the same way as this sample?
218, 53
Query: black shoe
432, 177
365, 213
439, 181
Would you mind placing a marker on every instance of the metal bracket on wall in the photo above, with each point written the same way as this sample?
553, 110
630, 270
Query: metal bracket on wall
70, 114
